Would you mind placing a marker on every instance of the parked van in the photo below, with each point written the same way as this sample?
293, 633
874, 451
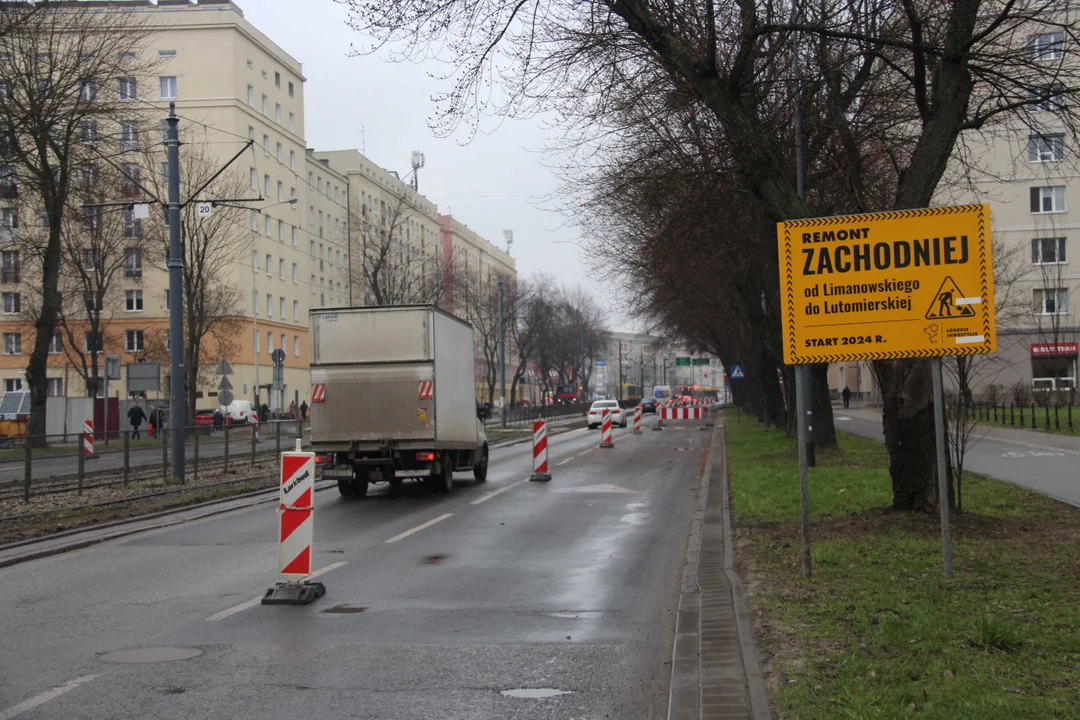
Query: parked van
239, 412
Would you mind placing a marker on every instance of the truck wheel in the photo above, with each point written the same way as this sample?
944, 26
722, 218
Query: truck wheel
345, 487
359, 483
444, 482
480, 469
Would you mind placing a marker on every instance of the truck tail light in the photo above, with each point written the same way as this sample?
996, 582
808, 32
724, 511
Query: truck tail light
425, 456
324, 459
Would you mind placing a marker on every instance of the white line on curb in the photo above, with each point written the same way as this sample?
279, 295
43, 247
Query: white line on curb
256, 600
418, 528
45, 697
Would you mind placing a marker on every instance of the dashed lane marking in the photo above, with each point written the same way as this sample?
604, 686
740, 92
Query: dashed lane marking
45, 697
493, 493
418, 528
563, 462
217, 617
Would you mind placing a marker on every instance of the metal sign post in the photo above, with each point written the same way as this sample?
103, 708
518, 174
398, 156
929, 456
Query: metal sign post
904, 284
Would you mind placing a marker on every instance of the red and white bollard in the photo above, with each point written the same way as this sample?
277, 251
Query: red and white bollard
637, 420
659, 424
605, 436
88, 438
256, 431
540, 452
296, 531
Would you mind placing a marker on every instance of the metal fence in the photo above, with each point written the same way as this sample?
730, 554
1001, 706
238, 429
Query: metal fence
525, 415
1046, 417
52, 464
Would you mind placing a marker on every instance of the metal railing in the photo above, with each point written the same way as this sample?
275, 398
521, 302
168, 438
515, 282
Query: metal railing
1027, 415
527, 414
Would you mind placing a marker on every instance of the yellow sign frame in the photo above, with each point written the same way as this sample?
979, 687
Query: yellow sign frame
907, 283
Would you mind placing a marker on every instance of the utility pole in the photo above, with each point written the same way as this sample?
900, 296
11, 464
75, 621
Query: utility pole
581, 343
641, 368
502, 359
177, 399
620, 371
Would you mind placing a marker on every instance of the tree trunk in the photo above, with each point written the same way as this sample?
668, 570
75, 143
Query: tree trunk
44, 325
908, 419
824, 427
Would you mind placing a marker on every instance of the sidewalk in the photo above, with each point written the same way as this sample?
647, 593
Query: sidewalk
715, 672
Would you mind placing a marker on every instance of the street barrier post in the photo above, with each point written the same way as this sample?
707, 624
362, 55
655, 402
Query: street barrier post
29, 448
605, 432
540, 452
296, 522
226, 469
659, 424
637, 419
88, 438
127, 456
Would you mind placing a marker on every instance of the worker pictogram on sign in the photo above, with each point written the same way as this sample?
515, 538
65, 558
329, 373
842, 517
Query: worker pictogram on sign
951, 303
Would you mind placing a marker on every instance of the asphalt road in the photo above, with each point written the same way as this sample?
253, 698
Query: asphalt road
1049, 464
436, 605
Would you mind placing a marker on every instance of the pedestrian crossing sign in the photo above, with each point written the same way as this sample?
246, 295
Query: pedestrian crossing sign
737, 372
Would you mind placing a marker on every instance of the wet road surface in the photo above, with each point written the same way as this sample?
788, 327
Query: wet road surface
436, 605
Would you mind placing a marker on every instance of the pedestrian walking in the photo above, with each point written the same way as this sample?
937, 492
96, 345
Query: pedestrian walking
135, 417
218, 420
292, 409
303, 410
846, 394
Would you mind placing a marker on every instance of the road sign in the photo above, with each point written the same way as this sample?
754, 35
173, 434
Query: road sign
224, 368
910, 283
682, 361
140, 211
225, 397
225, 383
112, 367
737, 372
701, 361
278, 356
143, 377
204, 210
601, 363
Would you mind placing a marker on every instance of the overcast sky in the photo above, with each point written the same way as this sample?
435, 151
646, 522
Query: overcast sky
493, 183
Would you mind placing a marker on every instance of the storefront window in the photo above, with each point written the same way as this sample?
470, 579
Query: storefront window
1053, 373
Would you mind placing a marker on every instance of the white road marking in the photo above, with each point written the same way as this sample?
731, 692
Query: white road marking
216, 617
565, 461
492, 494
418, 528
45, 697
584, 453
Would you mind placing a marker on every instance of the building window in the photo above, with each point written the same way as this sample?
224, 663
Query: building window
1047, 98
1048, 46
277, 113
90, 259
54, 387
166, 53
129, 136
280, 189
12, 384
320, 185
281, 230
296, 310
92, 301
296, 345
1046, 148
12, 343
294, 234
311, 214
292, 123
132, 225
128, 88
1047, 251
254, 179
269, 265
277, 79
93, 342
266, 145
269, 305
1051, 301
251, 96
292, 159
292, 193
270, 343
129, 184
251, 133
254, 260
265, 106
12, 303
132, 262
291, 90
133, 300
266, 186
165, 302
89, 132
255, 220
280, 152
1048, 199
312, 284
311, 249
295, 273
56, 344
257, 341
168, 87
87, 90
281, 307
133, 341
10, 266
1056, 372
269, 225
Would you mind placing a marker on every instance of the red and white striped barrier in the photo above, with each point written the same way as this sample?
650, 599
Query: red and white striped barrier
296, 531
318, 392
540, 452
256, 431
425, 390
605, 432
88, 438
685, 413
637, 420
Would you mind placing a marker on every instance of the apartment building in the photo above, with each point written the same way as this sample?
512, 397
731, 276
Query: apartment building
472, 259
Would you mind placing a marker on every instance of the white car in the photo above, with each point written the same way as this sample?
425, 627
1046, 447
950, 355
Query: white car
596, 413
239, 412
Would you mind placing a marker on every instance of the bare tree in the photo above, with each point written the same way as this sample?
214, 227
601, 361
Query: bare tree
68, 74
389, 265
212, 247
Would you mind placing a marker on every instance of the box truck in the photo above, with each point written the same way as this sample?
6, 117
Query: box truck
394, 397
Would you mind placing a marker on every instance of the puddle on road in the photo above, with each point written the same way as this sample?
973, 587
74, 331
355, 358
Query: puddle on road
637, 518
145, 655
343, 610
583, 615
534, 693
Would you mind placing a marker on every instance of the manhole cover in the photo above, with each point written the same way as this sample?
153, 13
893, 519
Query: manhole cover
344, 610
139, 656
534, 693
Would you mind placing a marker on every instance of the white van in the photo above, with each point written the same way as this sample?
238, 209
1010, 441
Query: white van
239, 412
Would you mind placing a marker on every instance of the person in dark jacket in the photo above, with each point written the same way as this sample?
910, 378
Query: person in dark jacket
303, 410
846, 394
218, 420
136, 417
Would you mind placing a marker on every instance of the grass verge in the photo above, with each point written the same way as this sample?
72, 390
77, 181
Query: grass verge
877, 632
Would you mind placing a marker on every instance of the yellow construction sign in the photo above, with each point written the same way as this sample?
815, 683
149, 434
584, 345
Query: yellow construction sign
909, 283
